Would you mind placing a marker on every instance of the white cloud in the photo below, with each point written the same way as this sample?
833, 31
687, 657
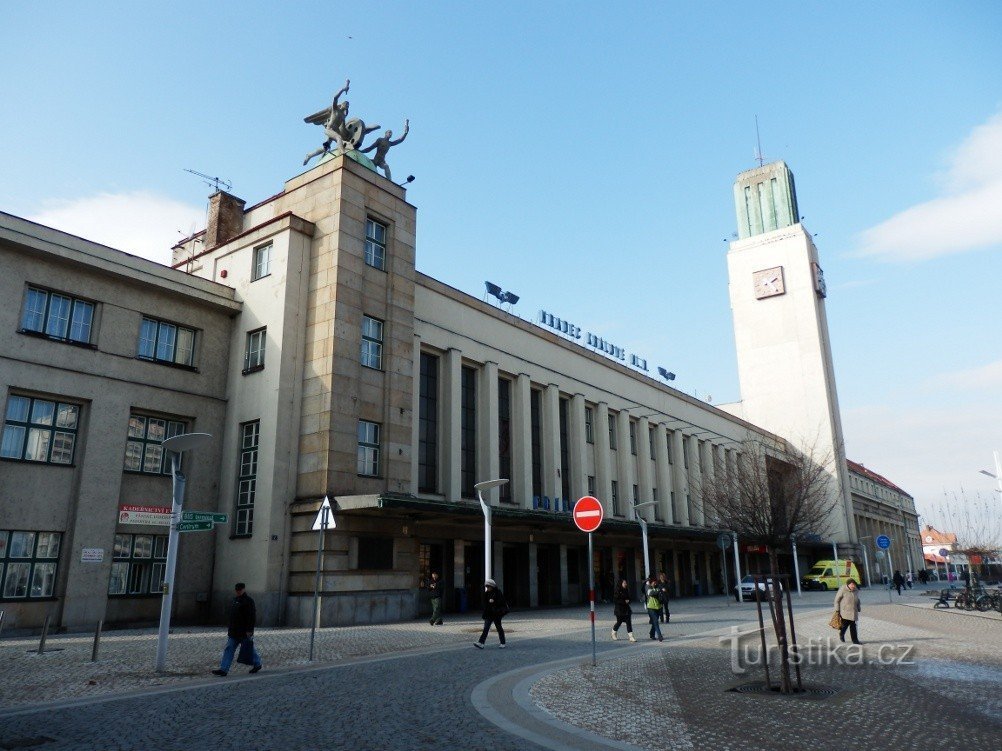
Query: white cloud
141, 223
967, 215
984, 377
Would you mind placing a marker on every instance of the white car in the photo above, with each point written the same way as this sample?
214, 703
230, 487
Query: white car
750, 589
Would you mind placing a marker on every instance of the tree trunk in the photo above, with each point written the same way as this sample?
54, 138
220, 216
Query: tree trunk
779, 621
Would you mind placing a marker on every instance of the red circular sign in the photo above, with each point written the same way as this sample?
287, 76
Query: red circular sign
588, 513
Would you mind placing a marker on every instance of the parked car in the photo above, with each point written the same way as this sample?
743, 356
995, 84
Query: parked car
752, 590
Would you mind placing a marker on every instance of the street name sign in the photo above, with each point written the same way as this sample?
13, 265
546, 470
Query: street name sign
588, 513
204, 516
194, 526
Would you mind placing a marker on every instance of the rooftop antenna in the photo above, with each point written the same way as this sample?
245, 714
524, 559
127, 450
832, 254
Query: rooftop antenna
758, 140
215, 182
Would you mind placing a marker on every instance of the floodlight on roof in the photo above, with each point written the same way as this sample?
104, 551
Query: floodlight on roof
494, 290
509, 297
665, 374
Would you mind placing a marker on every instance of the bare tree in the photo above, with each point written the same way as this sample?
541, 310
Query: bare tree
774, 492
978, 527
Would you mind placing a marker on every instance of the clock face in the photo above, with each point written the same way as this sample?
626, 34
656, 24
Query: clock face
769, 282
819, 281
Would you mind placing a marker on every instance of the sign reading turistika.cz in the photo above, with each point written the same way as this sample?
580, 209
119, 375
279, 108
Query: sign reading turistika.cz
592, 340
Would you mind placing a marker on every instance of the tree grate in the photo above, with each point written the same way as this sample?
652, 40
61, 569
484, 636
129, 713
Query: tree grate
813, 692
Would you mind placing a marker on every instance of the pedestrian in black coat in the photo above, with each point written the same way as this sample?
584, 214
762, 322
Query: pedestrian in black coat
495, 608
240, 631
622, 610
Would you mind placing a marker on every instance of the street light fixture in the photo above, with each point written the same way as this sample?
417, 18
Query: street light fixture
997, 474
176, 446
643, 532
480, 487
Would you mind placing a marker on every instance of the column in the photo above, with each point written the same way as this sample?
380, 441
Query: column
415, 416
487, 424
644, 465
603, 457
674, 573
709, 478
521, 441
624, 463
459, 564
662, 472
452, 403
550, 439
680, 479
533, 576
577, 448
695, 482
564, 594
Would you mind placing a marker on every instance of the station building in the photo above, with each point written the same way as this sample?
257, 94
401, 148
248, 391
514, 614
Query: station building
299, 333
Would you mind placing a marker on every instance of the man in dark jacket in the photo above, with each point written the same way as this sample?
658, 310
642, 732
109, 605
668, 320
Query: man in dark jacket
495, 608
243, 616
899, 582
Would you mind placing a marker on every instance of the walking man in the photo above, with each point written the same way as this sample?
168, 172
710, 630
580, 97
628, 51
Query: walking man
435, 589
899, 582
495, 608
654, 608
622, 610
663, 594
243, 616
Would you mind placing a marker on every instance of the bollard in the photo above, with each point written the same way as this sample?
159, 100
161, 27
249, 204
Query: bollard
1, 622
45, 632
97, 641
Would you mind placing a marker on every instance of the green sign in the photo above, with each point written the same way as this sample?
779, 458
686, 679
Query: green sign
203, 516
194, 526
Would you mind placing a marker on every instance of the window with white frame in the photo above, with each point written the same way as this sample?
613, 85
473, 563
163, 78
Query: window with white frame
28, 562
165, 342
250, 440
138, 565
39, 430
368, 448
57, 316
262, 262
144, 451
375, 244
372, 343
254, 354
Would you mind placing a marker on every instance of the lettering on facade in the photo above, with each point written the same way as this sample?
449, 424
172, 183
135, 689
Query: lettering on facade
595, 341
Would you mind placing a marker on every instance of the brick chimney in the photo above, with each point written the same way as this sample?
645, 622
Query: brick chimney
226, 218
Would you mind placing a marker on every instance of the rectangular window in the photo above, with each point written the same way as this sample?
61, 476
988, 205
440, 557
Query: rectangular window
633, 438
138, 565
262, 262
254, 354
589, 425
143, 449
375, 553
57, 316
612, 432
657, 506
428, 425
39, 430
668, 441
468, 438
372, 343
591, 485
375, 244
565, 454
685, 453
615, 498
250, 440
368, 448
650, 441
160, 341
504, 437
537, 443
28, 562
636, 495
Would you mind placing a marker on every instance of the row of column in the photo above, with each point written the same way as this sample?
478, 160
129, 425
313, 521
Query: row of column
678, 498
904, 556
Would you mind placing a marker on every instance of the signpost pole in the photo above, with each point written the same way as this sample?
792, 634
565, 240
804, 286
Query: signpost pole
796, 564
737, 568
890, 569
315, 621
866, 565
838, 569
591, 596
723, 570
168, 585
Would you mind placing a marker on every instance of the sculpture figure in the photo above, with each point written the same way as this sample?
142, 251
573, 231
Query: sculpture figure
382, 146
348, 133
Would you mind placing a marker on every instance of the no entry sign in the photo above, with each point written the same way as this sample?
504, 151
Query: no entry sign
588, 513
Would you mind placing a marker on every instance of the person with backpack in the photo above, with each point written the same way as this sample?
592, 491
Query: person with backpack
622, 610
495, 608
654, 608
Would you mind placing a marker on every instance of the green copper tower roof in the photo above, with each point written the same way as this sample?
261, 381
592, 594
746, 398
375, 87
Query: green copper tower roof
765, 199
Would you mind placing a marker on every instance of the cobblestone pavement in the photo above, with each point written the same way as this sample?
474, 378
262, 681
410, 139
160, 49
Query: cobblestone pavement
412, 686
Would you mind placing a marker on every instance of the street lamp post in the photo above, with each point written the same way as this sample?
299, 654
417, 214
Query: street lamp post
737, 568
176, 446
480, 487
643, 532
796, 564
866, 560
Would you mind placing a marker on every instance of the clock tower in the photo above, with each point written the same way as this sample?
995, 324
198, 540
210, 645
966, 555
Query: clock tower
777, 292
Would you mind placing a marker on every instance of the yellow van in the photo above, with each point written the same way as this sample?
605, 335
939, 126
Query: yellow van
827, 575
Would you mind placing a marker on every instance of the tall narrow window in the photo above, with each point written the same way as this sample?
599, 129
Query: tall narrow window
250, 438
537, 445
375, 244
589, 425
254, 354
39, 430
650, 441
565, 457
468, 449
165, 342
615, 499
144, 451
57, 316
368, 448
668, 446
591, 485
262, 262
504, 437
428, 425
633, 438
612, 432
372, 343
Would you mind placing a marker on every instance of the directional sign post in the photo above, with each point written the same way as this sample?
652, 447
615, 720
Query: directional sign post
884, 543
588, 514
324, 518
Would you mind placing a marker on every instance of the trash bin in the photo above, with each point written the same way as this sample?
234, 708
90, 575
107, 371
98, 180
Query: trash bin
461, 599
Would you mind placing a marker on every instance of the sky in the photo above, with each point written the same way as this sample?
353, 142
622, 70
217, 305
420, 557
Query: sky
582, 159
